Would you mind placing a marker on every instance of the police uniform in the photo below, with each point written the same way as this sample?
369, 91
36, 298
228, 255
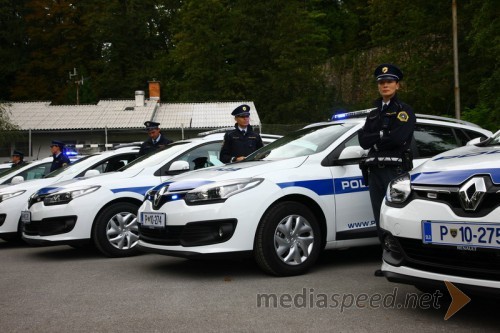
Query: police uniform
387, 134
151, 145
21, 161
237, 142
60, 160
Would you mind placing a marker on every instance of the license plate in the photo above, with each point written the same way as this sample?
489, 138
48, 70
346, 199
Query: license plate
482, 234
154, 220
26, 216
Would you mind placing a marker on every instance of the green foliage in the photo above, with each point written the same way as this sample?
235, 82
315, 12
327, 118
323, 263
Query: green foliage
8, 131
297, 60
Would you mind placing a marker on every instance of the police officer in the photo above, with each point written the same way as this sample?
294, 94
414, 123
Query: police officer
18, 159
155, 141
60, 159
241, 141
387, 134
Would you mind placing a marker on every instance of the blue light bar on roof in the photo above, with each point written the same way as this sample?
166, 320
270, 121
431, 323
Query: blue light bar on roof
353, 114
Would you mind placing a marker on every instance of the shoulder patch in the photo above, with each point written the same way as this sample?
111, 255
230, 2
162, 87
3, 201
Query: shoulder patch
403, 116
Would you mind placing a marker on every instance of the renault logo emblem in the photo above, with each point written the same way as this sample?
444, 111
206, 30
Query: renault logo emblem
472, 193
159, 194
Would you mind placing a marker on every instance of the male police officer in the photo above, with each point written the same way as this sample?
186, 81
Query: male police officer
155, 140
60, 159
17, 159
387, 132
241, 141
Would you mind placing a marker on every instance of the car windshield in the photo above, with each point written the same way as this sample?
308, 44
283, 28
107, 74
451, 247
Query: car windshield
303, 142
155, 157
61, 170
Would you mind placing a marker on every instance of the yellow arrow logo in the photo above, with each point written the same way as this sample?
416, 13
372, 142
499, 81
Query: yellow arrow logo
458, 300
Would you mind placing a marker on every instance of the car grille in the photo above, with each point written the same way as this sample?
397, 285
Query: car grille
480, 264
449, 196
170, 235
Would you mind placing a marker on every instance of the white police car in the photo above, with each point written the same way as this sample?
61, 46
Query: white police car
442, 221
285, 202
13, 198
103, 209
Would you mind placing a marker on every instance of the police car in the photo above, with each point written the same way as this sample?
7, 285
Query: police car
286, 202
442, 221
102, 210
13, 198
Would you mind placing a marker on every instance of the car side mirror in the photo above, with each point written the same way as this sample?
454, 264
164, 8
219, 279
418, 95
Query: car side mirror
91, 173
178, 167
350, 155
17, 180
474, 141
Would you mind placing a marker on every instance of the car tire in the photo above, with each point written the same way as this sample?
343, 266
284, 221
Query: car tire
116, 232
288, 239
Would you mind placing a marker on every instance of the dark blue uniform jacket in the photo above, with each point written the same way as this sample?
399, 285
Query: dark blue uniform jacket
236, 144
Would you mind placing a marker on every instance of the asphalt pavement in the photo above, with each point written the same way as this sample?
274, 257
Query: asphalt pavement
61, 289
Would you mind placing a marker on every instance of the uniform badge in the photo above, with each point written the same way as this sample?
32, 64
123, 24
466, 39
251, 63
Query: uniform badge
244, 108
385, 69
403, 116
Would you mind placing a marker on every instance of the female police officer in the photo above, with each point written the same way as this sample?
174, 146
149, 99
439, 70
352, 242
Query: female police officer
387, 132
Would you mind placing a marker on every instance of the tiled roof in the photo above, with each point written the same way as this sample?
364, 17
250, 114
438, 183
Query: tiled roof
121, 114
201, 115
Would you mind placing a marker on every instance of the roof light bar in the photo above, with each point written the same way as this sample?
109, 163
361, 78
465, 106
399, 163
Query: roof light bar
352, 114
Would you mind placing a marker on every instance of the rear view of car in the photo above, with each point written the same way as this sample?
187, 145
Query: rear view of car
442, 221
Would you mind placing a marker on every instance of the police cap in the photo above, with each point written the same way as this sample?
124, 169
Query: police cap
151, 125
18, 153
57, 143
388, 72
242, 110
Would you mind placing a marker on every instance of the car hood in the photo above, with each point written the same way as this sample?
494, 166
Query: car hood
234, 171
102, 180
457, 165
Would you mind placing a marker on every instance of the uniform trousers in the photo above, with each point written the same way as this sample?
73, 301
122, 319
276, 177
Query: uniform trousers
379, 177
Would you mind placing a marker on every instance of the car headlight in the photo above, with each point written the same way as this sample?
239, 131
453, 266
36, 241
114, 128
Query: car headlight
60, 198
8, 195
220, 191
399, 189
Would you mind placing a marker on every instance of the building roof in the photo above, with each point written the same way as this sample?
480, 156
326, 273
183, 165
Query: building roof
123, 114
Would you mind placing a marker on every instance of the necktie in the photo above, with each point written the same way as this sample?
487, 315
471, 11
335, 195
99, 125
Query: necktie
385, 107
243, 132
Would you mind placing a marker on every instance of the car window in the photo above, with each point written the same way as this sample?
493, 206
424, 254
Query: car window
112, 164
461, 137
432, 140
203, 156
473, 134
35, 172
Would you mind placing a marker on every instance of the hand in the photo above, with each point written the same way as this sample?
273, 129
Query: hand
239, 158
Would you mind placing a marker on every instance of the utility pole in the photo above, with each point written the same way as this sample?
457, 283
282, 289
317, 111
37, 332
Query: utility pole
78, 83
455, 59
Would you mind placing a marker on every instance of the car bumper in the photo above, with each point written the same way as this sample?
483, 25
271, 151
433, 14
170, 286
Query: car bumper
60, 224
192, 230
421, 278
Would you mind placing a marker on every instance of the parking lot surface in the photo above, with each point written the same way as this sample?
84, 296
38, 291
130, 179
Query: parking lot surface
61, 289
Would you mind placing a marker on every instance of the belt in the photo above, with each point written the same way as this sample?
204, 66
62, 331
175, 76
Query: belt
383, 160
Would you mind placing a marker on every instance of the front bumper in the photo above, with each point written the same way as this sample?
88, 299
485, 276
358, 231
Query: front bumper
61, 224
408, 260
422, 278
193, 230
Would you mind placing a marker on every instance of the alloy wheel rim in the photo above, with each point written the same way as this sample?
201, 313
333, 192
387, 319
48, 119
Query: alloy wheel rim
293, 240
122, 231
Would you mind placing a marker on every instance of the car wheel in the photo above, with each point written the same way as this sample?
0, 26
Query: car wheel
116, 232
288, 240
